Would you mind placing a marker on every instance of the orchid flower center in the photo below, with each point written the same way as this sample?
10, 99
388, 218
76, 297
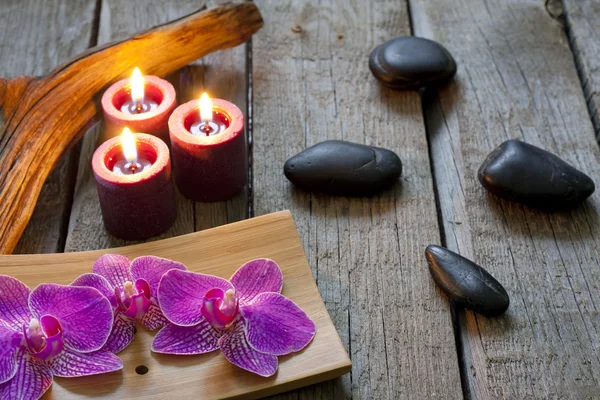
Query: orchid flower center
220, 308
134, 299
43, 337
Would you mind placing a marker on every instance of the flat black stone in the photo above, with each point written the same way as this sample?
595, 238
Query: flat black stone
466, 283
410, 62
526, 174
343, 168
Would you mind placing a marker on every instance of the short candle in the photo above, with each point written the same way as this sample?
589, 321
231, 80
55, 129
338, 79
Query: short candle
133, 178
209, 149
142, 103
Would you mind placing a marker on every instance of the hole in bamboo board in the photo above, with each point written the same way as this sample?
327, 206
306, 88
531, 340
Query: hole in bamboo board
141, 370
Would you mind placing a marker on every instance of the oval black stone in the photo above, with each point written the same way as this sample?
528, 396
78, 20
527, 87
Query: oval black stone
526, 174
343, 168
410, 62
466, 282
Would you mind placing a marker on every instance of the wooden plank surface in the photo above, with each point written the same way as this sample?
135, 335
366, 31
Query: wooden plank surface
312, 83
517, 79
582, 18
221, 252
223, 73
35, 51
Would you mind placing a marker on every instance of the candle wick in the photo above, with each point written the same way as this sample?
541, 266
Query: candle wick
139, 107
206, 127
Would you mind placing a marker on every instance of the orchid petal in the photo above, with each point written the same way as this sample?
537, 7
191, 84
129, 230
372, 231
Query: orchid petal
14, 309
151, 269
31, 380
97, 282
257, 276
186, 340
276, 325
154, 318
114, 267
181, 295
236, 349
69, 363
122, 333
84, 313
10, 343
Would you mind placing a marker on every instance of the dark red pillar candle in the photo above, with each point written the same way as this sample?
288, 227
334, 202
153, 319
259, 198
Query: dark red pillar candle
140, 205
208, 167
153, 116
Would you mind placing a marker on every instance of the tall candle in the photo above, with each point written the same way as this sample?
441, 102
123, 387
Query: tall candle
142, 103
209, 149
133, 178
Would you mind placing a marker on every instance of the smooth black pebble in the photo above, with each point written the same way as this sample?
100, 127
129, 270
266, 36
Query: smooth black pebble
526, 174
466, 282
343, 168
410, 62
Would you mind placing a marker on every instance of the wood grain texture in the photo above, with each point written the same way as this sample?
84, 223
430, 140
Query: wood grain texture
218, 251
222, 74
159, 52
582, 18
517, 79
310, 83
57, 31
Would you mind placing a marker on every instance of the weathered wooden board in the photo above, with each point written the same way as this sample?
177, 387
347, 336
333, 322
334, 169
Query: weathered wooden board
311, 83
218, 251
517, 79
582, 18
33, 52
223, 74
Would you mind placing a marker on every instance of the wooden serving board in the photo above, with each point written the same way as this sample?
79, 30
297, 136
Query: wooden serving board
218, 251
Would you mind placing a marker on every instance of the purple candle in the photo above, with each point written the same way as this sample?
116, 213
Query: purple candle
209, 149
133, 178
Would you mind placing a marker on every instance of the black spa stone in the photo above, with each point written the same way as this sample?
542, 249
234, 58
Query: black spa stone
526, 174
410, 62
466, 283
343, 168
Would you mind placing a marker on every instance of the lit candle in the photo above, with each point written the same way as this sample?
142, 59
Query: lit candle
209, 149
211, 123
133, 178
130, 163
142, 103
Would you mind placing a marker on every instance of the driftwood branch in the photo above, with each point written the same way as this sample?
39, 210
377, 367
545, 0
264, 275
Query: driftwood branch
44, 116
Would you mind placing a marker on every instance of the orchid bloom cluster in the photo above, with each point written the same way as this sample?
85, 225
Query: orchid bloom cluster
76, 330
245, 317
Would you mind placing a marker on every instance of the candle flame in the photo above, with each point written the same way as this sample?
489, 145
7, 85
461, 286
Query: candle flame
206, 112
137, 86
128, 146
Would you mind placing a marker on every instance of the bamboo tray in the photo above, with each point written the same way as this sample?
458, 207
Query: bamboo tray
218, 251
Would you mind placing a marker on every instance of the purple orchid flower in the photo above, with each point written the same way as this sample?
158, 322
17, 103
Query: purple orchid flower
54, 330
131, 288
246, 317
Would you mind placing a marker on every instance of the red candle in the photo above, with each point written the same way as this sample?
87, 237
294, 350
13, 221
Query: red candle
133, 178
142, 103
209, 149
